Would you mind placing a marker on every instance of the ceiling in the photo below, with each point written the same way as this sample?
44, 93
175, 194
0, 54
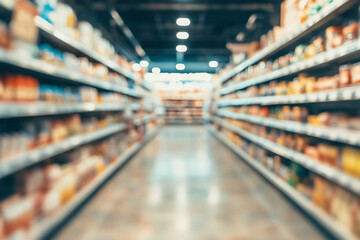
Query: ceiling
153, 25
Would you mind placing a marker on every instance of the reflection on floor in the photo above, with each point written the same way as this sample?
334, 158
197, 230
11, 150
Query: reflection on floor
186, 185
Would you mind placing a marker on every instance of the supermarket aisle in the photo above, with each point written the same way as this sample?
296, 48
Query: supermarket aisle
187, 185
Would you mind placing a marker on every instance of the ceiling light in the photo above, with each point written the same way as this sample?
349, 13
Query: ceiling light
136, 67
144, 63
156, 70
182, 35
115, 15
183, 21
213, 64
252, 18
240, 37
181, 48
180, 66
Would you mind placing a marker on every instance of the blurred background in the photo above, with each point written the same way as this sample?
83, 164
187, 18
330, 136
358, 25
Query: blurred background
181, 119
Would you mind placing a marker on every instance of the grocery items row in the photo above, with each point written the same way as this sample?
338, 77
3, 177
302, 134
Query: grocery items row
318, 127
61, 74
59, 20
340, 120
71, 115
347, 75
26, 50
290, 110
318, 62
40, 198
21, 88
318, 197
302, 20
337, 163
186, 111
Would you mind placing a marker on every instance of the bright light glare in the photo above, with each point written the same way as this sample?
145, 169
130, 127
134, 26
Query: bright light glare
183, 21
136, 67
182, 35
181, 48
213, 64
144, 63
156, 70
180, 66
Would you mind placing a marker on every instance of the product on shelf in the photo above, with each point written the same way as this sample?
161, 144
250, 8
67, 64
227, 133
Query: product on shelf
335, 36
42, 190
335, 201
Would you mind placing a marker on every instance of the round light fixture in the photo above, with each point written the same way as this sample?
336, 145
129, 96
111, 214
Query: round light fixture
180, 66
182, 35
213, 64
156, 70
181, 48
144, 63
136, 67
183, 22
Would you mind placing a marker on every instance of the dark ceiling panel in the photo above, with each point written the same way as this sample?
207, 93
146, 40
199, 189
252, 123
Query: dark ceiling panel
213, 24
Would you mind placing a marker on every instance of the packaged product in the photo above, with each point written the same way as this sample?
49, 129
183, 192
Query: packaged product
59, 131
53, 174
355, 73
5, 40
319, 192
2, 228
86, 36
354, 123
17, 213
318, 44
312, 152
334, 37
65, 20
67, 184
351, 31
350, 161
51, 202
290, 15
345, 76
328, 154
23, 25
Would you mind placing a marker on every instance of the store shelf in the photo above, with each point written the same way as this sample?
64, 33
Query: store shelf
145, 120
182, 107
26, 159
332, 174
324, 58
12, 110
335, 95
46, 227
320, 19
341, 135
329, 224
48, 28
39, 66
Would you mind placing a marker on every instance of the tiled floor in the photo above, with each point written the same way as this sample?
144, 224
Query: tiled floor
186, 185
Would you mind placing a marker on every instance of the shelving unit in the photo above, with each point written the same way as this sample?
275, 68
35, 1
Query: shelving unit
342, 53
315, 213
346, 136
251, 91
61, 74
24, 160
335, 95
187, 111
12, 110
320, 19
330, 173
48, 226
58, 36
61, 95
